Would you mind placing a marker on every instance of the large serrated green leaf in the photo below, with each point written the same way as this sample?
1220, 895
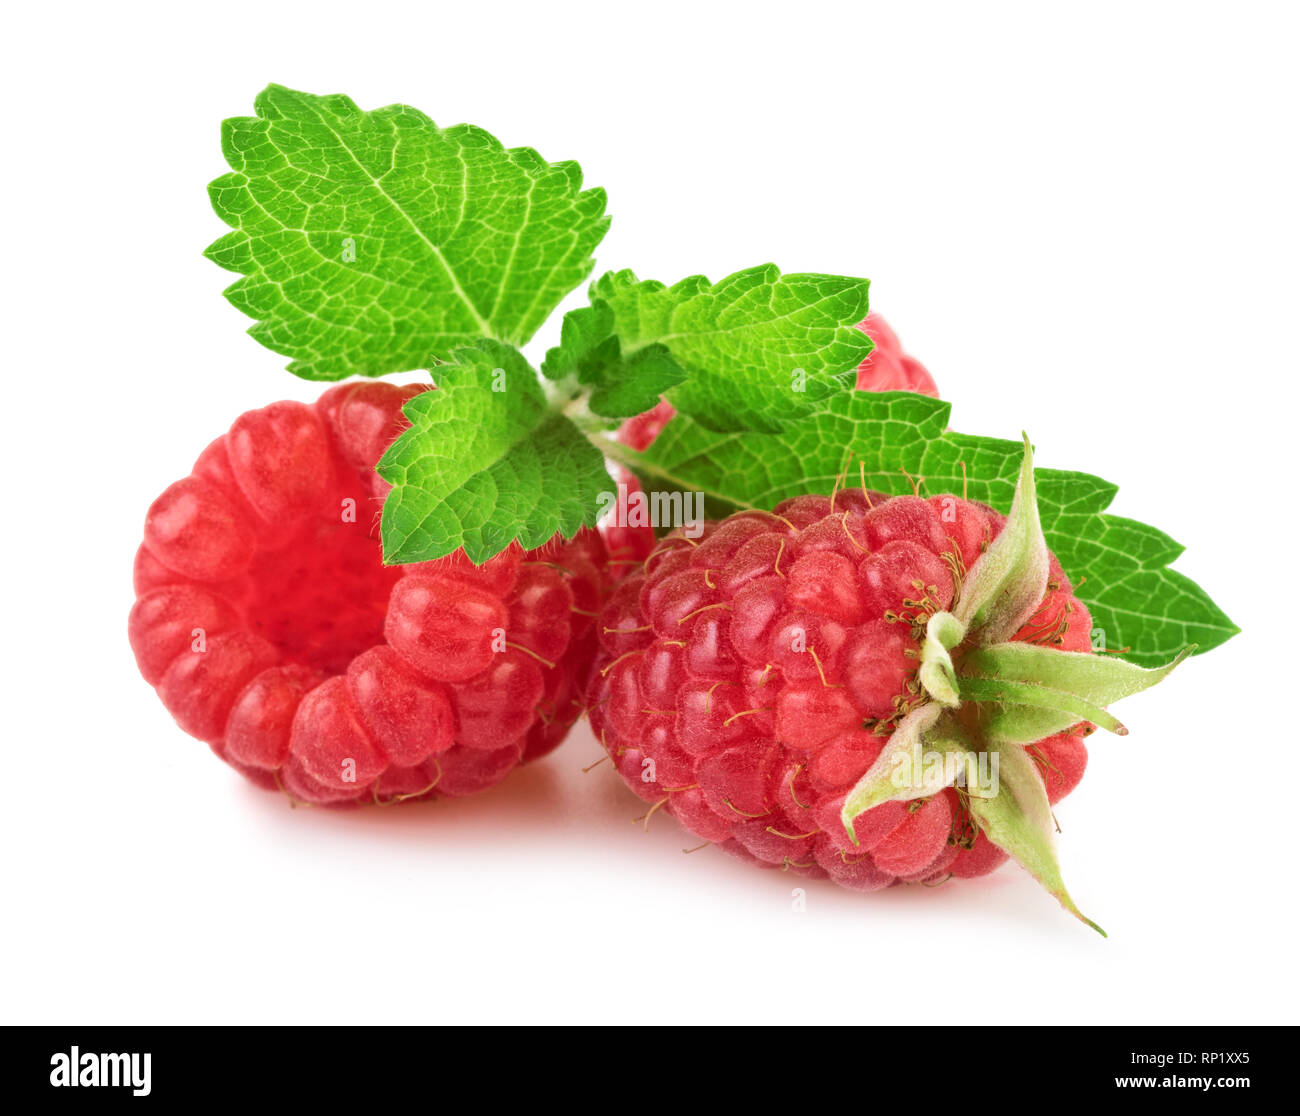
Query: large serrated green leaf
751, 352
892, 440
377, 242
484, 462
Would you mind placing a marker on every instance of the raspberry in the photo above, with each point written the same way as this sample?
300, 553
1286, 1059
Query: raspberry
640, 430
885, 368
273, 631
1061, 760
748, 679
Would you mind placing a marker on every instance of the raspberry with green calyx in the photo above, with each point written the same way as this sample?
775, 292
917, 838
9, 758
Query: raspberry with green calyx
824, 687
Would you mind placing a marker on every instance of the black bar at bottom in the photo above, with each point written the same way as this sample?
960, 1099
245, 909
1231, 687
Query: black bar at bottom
573, 1066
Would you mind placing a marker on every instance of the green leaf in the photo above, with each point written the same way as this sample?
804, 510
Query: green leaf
751, 352
591, 353
1018, 819
885, 438
484, 462
377, 242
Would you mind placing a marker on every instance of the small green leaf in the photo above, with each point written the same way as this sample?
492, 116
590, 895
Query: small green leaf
751, 352
1018, 819
591, 353
486, 462
377, 242
1007, 583
650, 372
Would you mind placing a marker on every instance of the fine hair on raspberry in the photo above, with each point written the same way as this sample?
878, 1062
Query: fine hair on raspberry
748, 679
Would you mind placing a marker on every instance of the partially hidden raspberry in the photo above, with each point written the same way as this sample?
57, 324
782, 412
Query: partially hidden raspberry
885, 368
272, 630
748, 679
640, 430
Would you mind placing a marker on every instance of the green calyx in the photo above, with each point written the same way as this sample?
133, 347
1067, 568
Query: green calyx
988, 698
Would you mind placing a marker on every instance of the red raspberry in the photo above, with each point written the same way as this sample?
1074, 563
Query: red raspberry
1061, 760
748, 679
273, 631
640, 430
887, 367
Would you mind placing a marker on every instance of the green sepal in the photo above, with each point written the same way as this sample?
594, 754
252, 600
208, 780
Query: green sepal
1022, 724
1000, 692
943, 632
1018, 820
901, 771
1034, 692
1006, 585
1099, 679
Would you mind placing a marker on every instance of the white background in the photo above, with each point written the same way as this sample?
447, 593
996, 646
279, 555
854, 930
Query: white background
1082, 218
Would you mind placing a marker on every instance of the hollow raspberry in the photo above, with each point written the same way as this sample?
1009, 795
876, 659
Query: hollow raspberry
272, 630
748, 679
